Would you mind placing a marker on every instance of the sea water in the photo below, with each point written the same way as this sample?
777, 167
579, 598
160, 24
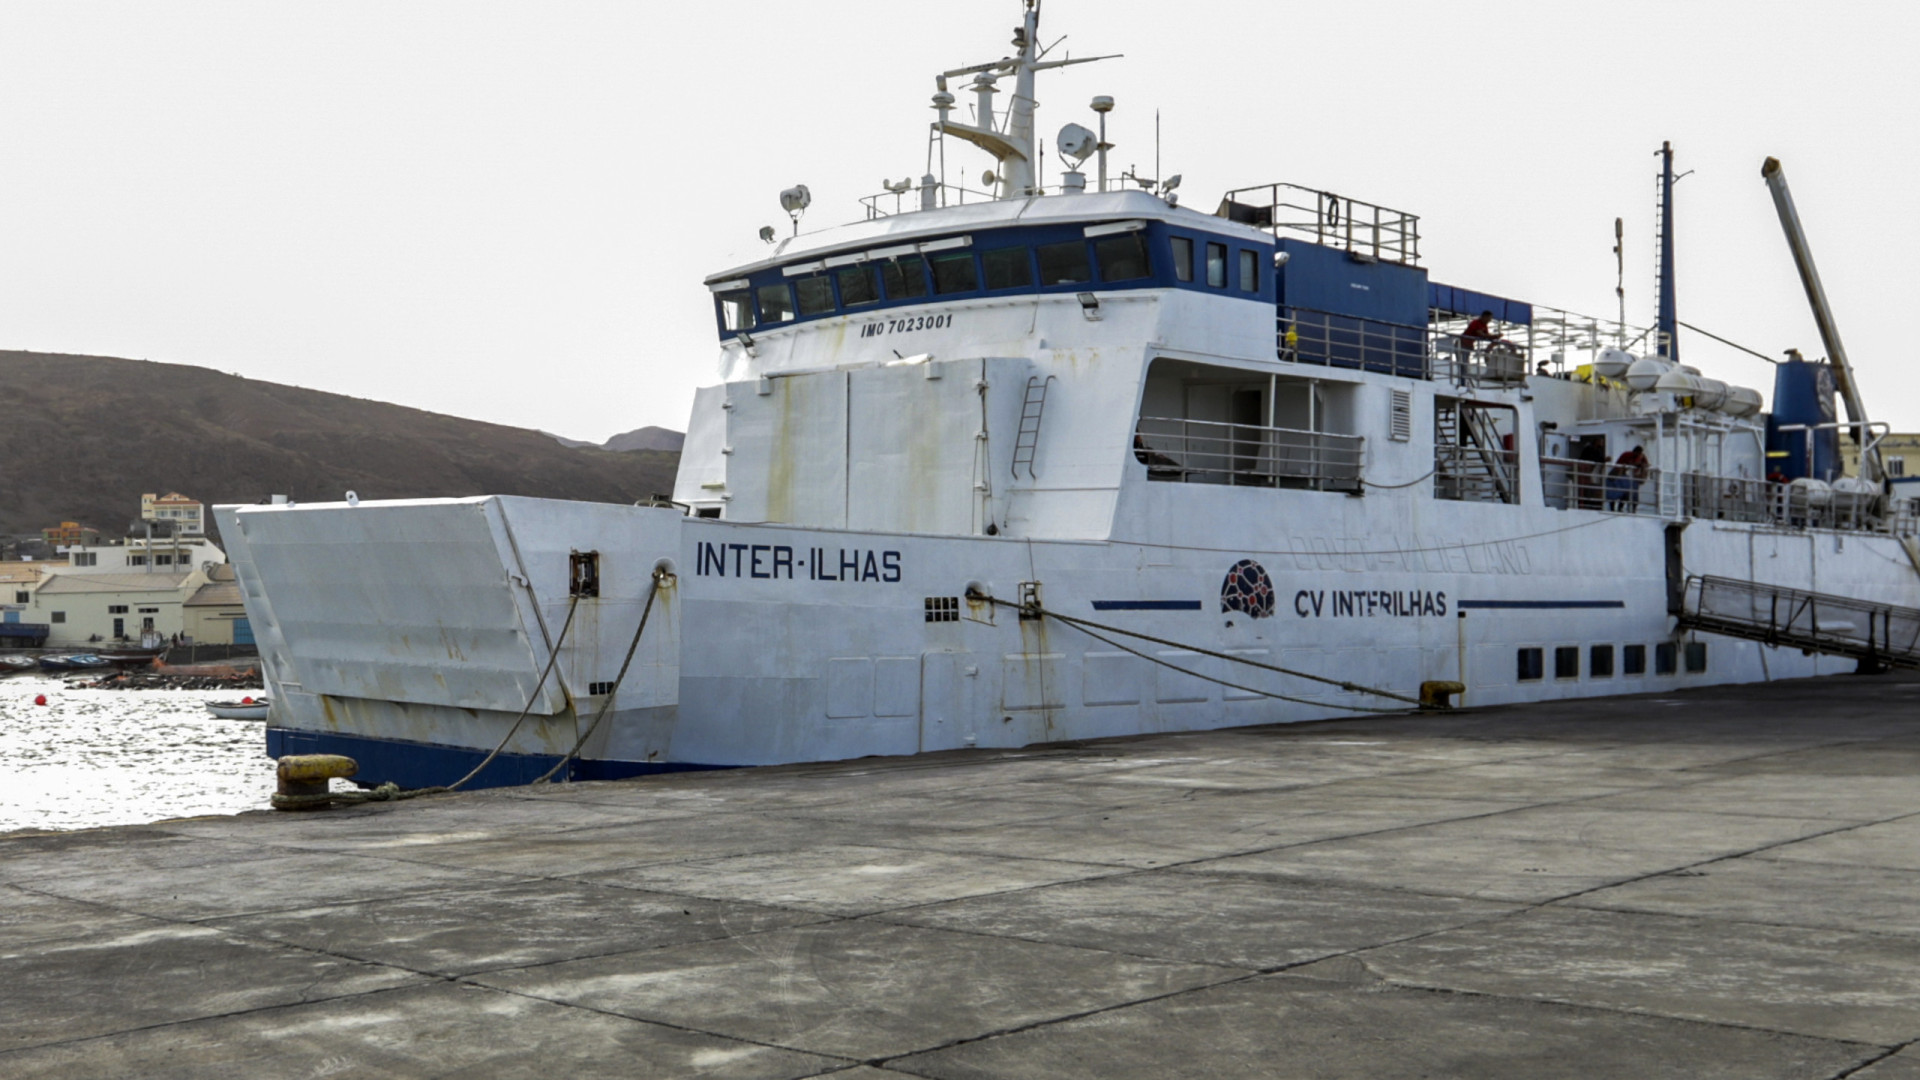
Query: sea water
121, 757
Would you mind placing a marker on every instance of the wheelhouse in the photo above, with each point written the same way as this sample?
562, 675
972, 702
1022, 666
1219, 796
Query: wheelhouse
1104, 256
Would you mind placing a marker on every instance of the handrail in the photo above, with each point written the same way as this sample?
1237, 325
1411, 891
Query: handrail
1211, 452
1366, 229
1312, 336
1882, 634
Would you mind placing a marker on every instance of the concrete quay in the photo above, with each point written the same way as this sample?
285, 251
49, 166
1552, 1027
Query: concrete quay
1703, 884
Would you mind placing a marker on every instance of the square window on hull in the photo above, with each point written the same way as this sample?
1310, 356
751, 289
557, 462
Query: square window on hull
1633, 660
1696, 657
1566, 662
1666, 657
1532, 667
1600, 662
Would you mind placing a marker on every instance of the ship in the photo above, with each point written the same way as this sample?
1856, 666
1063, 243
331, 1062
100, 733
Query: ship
1044, 462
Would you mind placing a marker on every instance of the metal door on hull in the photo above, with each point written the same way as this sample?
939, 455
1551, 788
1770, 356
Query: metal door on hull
947, 682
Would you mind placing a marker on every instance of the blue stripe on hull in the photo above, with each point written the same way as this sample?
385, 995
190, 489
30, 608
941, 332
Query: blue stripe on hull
418, 765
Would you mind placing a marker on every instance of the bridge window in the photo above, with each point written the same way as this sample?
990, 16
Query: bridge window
954, 273
776, 303
816, 294
1065, 264
904, 278
1532, 665
1122, 258
1633, 659
1249, 271
1217, 265
736, 311
856, 286
1008, 268
1665, 658
1182, 258
1696, 657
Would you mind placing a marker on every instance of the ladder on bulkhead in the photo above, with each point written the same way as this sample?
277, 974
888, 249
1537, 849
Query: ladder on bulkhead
1027, 442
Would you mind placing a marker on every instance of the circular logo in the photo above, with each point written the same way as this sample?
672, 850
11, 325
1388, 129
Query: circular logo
1247, 589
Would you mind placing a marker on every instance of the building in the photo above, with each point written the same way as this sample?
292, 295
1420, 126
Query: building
184, 514
87, 608
70, 532
1899, 454
169, 554
214, 614
18, 580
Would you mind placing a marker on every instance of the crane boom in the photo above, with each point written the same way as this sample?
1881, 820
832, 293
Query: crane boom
1776, 179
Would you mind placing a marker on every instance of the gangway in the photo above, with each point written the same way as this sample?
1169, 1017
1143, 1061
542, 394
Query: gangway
1878, 635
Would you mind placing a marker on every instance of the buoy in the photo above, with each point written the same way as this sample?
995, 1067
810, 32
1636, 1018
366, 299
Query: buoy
246, 701
39, 699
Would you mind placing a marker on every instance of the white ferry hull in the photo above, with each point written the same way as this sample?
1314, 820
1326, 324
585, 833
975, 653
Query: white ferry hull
411, 635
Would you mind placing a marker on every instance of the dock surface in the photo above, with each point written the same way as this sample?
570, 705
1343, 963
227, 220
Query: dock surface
1713, 883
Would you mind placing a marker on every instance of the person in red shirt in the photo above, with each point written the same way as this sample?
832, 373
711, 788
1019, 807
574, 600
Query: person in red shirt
1478, 331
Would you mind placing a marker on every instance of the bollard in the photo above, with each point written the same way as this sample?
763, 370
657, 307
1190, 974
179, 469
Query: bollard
304, 779
1438, 694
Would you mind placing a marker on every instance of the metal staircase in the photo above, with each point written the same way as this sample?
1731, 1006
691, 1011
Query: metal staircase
1469, 462
1880, 636
1027, 442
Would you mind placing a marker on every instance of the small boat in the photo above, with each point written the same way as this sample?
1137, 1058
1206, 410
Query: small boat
246, 709
13, 665
73, 662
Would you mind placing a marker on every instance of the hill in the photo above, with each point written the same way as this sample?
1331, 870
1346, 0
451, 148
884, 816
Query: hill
82, 437
646, 438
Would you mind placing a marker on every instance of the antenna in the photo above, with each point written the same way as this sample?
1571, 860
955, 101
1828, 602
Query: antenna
1103, 105
1620, 268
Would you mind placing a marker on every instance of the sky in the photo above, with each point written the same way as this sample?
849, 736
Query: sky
504, 210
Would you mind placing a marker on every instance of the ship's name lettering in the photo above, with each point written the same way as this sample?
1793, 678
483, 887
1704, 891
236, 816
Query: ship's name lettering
1368, 603
783, 562
910, 322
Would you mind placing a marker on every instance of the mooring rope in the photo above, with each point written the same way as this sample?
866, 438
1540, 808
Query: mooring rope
1088, 627
553, 658
659, 575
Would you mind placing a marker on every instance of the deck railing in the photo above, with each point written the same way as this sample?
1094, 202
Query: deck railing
1569, 484
1309, 336
1247, 455
1366, 229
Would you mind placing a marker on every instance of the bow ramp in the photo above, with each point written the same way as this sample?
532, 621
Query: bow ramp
1878, 635
431, 621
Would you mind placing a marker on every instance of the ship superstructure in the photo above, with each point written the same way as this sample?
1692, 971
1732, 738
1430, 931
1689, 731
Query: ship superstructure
1036, 464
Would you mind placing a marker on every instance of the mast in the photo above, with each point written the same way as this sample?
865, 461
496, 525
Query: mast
1012, 145
1776, 178
1669, 322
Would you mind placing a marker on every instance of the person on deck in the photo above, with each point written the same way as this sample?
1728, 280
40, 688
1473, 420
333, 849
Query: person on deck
1478, 332
1623, 484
